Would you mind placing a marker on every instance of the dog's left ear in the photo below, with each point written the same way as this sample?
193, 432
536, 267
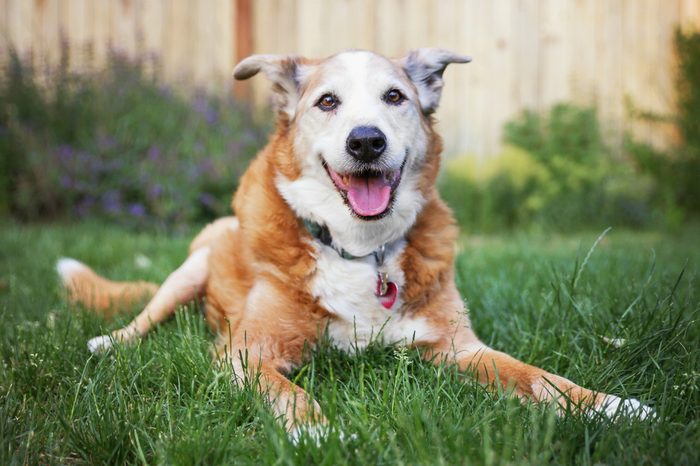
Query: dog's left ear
285, 72
425, 67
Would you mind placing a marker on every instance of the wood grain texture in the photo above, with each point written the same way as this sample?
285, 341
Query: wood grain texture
614, 54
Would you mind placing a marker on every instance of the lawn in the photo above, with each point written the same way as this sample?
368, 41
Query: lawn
532, 295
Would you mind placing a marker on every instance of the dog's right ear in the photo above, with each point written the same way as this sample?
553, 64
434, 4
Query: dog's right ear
285, 72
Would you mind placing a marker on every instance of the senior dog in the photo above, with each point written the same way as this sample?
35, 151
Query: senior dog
339, 231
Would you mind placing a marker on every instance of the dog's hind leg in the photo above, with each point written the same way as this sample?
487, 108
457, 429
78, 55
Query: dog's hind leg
186, 283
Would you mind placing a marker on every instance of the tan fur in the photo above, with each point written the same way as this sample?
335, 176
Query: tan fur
107, 297
257, 288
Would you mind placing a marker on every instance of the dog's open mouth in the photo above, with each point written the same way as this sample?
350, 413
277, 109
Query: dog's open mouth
369, 193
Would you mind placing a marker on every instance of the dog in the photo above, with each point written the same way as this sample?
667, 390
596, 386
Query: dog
339, 232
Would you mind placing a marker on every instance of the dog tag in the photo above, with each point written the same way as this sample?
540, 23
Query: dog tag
386, 291
382, 283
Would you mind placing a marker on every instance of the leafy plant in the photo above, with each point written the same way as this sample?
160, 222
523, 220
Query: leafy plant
119, 144
675, 171
554, 172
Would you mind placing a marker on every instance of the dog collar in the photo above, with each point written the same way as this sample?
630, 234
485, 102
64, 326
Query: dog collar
321, 233
386, 290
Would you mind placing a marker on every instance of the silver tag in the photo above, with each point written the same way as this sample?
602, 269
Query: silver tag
383, 283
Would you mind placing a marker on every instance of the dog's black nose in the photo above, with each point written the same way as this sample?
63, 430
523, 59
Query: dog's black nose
366, 143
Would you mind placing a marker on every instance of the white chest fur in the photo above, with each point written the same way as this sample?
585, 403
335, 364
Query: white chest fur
346, 288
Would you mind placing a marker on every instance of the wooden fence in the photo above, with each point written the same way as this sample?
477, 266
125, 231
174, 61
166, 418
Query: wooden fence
527, 53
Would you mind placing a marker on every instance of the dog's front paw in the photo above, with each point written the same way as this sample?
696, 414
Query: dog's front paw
100, 344
317, 434
613, 406
104, 343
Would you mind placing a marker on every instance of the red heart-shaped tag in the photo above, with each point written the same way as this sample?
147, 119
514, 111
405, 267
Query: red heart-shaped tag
389, 298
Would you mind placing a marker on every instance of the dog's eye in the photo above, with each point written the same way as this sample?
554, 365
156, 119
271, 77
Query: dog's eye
394, 97
327, 102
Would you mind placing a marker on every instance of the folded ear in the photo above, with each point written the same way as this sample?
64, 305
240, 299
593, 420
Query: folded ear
284, 71
425, 67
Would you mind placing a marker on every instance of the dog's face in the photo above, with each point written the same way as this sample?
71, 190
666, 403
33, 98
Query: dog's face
360, 133
359, 126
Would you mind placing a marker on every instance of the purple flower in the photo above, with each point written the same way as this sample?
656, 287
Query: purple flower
155, 191
111, 202
207, 200
66, 182
137, 210
204, 167
212, 116
154, 153
202, 106
65, 153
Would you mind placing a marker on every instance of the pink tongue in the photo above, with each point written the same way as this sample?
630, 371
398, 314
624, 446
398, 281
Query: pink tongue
369, 196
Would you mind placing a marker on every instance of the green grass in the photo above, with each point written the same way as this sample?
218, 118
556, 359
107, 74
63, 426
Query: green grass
163, 401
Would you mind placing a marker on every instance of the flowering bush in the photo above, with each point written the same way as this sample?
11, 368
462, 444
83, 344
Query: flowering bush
118, 144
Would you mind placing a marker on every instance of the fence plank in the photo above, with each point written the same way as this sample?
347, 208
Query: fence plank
19, 14
149, 28
390, 18
527, 53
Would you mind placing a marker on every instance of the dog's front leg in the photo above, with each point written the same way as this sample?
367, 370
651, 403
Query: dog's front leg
267, 338
291, 402
293, 406
501, 371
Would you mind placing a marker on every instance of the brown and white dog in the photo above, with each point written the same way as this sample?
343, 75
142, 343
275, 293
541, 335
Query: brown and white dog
339, 230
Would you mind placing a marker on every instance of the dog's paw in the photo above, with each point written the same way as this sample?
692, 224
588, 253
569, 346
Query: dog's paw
67, 268
126, 335
100, 344
614, 406
317, 434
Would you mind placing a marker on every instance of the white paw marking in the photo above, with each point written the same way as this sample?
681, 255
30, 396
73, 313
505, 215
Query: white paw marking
100, 344
66, 267
614, 406
317, 433
614, 342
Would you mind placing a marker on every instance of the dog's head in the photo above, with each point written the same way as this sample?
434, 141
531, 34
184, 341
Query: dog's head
360, 130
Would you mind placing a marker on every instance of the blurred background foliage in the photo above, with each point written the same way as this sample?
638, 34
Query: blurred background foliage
118, 144
121, 145
676, 172
556, 172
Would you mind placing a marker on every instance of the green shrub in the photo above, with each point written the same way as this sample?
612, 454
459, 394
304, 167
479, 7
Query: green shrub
118, 144
554, 172
567, 131
675, 171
